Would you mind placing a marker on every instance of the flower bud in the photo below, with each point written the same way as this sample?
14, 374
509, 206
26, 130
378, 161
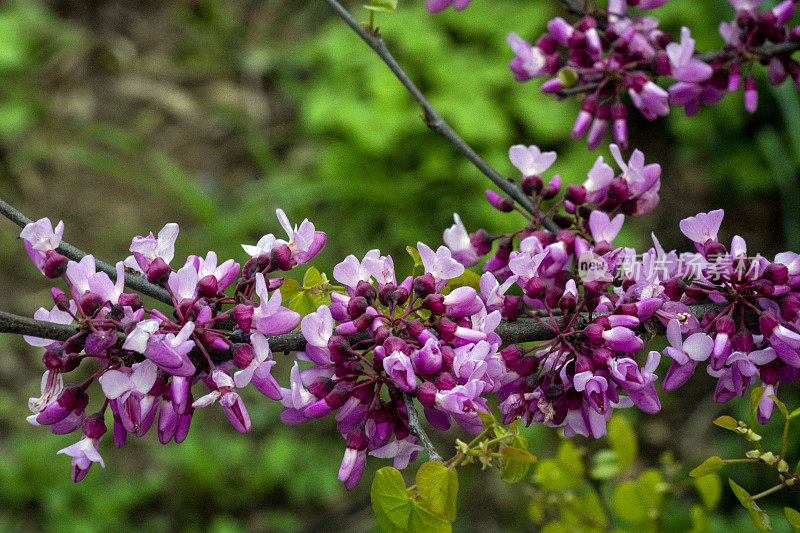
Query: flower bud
55, 264
60, 299
503, 204
90, 302
94, 426
243, 355
777, 273
575, 194
132, 300
207, 286
426, 394
243, 315
532, 185
552, 188
357, 306
750, 95
280, 257
158, 272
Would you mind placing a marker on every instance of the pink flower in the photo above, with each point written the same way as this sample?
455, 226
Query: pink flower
40, 238
146, 249
83, 453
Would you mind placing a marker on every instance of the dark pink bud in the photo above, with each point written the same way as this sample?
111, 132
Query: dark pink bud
725, 325
594, 332
243, 315
535, 288
532, 185
777, 273
385, 295
511, 354
742, 341
61, 300
207, 287
426, 394
663, 66
575, 194
339, 348
53, 360
243, 355
357, 306
132, 300
424, 285
90, 302
503, 204
366, 290
790, 307
513, 307
357, 440
481, 240
55, 264
601, 357
158, 272
280, 258
767, 323
435, 304
447, 329
445, 381
552, 188
94, 426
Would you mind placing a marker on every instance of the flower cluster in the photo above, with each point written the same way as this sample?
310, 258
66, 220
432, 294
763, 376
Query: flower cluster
608, 54
427, 335
146, 363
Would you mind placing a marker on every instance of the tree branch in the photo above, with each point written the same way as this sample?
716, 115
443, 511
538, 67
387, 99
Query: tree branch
434, 121
416, 428
522, 330
134, 281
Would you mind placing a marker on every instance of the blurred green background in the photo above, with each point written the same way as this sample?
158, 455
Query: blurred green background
120, 116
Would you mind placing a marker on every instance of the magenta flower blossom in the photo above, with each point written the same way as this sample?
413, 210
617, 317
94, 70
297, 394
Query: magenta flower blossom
78, 274
435, 6
530, 62
147, 249
257, 370
40, 238
702, 227
304, 241
683, 67
121, 384
398, 366
685, 354
599, 177
458, 241
530, 160
222, 389
170, 351
51, 388
54, 315
403, 451
84, 453
295, 399
440, 264
603, 229
207, 268
270, 318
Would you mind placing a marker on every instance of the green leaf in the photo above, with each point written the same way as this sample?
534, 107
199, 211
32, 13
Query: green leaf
570, 458
759, 518
794, 413
437, 486
467, 279
382, 5
394, 509
517, 460
712, 465
390, 500
289, 288
303, 303
651, 488
793, 517
726, 422
709, 488
535, 511
700, 521
626, 503
551, 476
781, 406
312, 278
605, 465
414, 253
622, 439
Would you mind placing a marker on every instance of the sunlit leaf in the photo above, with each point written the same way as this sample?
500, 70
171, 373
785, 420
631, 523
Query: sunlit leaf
712, 465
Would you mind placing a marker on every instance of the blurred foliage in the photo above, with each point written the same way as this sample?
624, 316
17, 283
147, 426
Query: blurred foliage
121, 116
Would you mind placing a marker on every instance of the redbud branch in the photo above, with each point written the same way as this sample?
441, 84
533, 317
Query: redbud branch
519, 331
134, 281
434, 121
416, 428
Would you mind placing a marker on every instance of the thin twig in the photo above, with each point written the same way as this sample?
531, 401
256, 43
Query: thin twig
134, 281
416, 428
434, 121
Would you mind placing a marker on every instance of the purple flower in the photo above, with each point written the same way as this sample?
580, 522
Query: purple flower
603, 229
222, 390
434, 6
79, 273
109, 291
183, 284
403, 451
270, 318
622, 339
257, 370
683, 67
52, 387
650, 99
530, 62
224, 274
54, 315
317, 328
440, 264
121, 384
702, 227
530, 160
295, 399
685, 354
398, 366
146, 249
457, 240
40, 238
304, 242
379, 267
599, 177
83, 453
170, 351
